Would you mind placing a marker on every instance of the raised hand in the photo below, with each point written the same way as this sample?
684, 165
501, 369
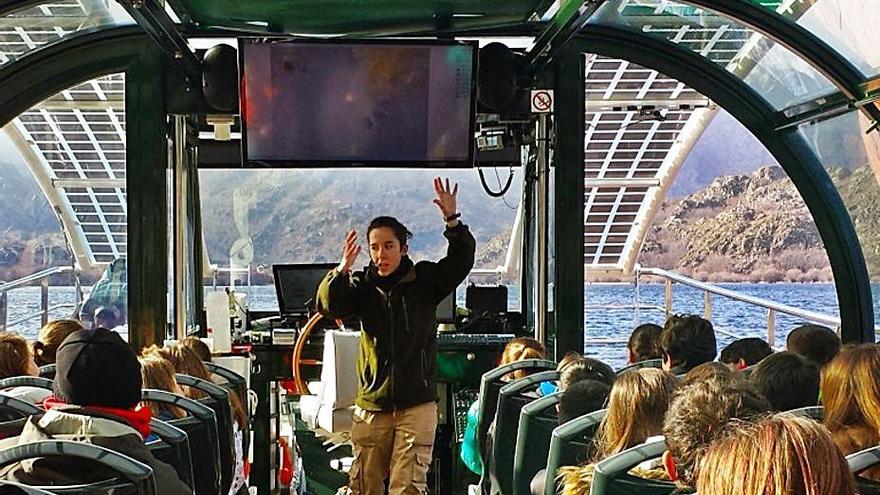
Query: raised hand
446, 200
350, 251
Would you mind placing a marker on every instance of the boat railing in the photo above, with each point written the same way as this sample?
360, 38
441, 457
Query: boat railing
710, 290
41, 276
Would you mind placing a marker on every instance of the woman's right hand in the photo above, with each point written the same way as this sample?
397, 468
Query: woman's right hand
350, 252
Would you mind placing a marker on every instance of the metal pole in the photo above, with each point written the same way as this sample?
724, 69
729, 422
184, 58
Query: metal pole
541, 217
667, 297
3, 307
179, 226
44, 301
707, 305
771, 327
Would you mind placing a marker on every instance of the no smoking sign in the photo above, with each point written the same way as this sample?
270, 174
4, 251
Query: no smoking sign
542, 100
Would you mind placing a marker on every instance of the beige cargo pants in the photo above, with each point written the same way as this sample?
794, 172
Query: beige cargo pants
395, 446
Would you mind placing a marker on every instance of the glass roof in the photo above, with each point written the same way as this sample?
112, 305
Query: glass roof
357, 16
74, 144
848, 26
29, 29
772, 70
633, 143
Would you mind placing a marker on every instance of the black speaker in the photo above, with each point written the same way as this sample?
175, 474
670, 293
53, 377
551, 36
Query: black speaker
220, 78
500, 79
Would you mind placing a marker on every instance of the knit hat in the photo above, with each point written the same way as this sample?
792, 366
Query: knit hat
97, 368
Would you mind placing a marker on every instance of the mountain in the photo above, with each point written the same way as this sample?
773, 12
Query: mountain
303, 215
29, 235
724, 148
757, 228
728, 148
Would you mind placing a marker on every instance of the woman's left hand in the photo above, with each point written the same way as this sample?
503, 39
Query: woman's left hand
446, 200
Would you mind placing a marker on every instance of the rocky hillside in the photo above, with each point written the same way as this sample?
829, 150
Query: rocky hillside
756, 228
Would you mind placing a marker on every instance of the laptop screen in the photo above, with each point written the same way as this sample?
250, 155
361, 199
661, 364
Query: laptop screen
296, 285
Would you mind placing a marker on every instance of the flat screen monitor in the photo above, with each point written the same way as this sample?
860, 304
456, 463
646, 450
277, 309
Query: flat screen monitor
297, 284
345, 103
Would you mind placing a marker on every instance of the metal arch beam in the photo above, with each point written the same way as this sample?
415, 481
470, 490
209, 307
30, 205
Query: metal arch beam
151, 16
9, 6
30, 80
565, 24
790, 150
60, 205
800, 41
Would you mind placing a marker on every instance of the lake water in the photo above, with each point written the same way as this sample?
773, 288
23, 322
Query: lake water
600, 323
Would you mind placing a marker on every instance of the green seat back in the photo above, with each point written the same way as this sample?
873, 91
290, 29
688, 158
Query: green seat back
490, 388
569, 444
648, 363
611, 476
536, 423
511, 400
814, 412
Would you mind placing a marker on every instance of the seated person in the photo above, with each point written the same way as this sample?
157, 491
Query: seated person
50, 337
787, 380
17, 359
96, 393
547, 388
198, 346
817, 343
696, 414
636, 408
708, 371
157, 373
687, 341
743, 353
644, 343
851, 399
581, 398
578, 368
518, 349
106, 317
586, 368
187, 362
781, 454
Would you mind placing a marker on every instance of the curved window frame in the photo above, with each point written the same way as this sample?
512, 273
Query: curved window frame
110, 21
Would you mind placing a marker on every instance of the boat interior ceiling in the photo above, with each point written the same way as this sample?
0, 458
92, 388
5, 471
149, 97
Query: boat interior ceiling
121, 110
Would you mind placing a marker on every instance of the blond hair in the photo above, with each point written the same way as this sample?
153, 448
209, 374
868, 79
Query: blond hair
197, 346
50, 338
157, 373
850, 387
520, 349
185, 361
14, 355
636, 408
782, 454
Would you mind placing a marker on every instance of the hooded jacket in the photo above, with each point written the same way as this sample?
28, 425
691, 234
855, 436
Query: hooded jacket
65, 424
397, 359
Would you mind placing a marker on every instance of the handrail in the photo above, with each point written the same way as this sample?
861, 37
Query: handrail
31, 316
806, 314
33, 277
43, 277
